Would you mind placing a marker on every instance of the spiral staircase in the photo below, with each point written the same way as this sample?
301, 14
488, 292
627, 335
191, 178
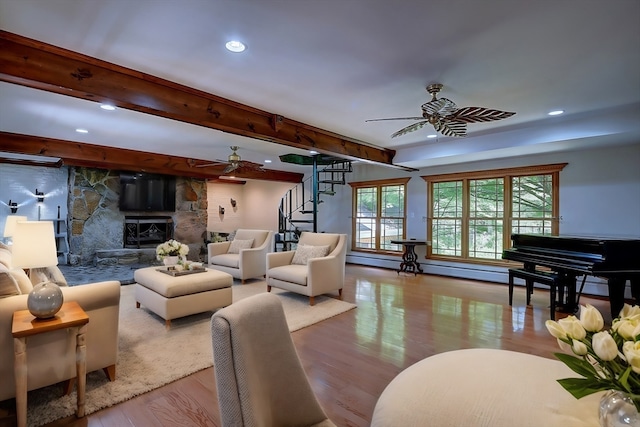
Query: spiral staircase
298, 209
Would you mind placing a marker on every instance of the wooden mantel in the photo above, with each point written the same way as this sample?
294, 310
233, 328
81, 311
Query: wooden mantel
38, 65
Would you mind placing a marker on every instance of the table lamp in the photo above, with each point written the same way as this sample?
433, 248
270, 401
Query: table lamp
34, 246
10, 226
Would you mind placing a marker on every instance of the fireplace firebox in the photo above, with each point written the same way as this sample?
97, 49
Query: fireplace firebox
147, 231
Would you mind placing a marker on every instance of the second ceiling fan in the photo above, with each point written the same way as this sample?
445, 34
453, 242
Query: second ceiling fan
446, 117
234, 162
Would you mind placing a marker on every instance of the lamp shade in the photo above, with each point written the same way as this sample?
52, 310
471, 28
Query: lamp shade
10, 224
34, 245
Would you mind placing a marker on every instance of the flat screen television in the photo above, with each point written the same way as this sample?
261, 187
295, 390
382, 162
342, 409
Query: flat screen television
147, 192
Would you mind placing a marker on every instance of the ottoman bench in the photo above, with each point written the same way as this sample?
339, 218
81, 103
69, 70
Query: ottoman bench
171, 297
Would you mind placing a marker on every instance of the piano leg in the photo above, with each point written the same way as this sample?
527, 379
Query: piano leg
616, 295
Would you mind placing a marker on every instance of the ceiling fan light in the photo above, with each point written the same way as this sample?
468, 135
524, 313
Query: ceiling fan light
235, 46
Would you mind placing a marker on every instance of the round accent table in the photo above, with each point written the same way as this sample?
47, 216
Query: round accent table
484, 388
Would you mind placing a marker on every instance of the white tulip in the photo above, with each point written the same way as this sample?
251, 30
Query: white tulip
591, 318
573, 327
629, 310
631, 352
555, 329
579, 348
604, 346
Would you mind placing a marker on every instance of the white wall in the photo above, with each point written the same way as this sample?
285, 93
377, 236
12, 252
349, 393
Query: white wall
256, 207
599, 196
18, 183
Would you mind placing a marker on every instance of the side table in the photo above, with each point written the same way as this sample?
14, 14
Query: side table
409, 257
25, 325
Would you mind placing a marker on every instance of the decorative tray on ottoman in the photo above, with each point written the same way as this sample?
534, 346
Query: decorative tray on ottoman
171, 271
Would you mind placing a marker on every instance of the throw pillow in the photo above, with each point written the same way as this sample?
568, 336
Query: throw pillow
47, 274
21, 278
305, 252
8, 285
5, 255
236, 245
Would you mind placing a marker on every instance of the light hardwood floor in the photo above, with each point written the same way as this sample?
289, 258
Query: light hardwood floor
350, 359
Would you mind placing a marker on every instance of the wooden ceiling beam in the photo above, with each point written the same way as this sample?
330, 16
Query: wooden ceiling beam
35, 64
98, 156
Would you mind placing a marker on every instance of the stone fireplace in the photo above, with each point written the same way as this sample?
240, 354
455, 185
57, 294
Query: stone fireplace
96, 224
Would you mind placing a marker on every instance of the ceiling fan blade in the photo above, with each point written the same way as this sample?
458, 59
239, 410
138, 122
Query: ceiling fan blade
215, 163
479, 114
231, 167
396, 118
410, 128
251, 165
451, 128
442, 106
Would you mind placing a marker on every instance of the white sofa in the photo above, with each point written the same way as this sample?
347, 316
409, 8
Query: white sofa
306, 274
244, 259
51, 357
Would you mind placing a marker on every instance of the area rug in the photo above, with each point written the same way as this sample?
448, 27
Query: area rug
150, 356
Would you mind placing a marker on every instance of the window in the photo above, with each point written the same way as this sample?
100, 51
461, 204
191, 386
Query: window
472, 215
379, 214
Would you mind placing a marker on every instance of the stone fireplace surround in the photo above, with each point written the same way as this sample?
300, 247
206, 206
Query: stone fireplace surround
96, 224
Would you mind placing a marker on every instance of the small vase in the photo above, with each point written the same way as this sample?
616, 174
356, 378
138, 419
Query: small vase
170, 260
617, 410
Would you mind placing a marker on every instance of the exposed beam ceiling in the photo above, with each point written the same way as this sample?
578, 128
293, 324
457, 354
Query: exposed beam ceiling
97, 156
38, 65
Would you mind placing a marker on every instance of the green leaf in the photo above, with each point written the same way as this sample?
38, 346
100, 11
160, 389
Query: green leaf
581, 387
579, 366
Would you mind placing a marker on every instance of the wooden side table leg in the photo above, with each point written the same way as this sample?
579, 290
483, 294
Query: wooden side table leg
20, 372
81, 367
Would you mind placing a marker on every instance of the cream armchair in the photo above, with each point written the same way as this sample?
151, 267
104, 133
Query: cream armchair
316, 267
244, 257
51, 357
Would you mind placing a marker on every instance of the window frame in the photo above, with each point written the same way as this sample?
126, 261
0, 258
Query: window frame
505, 173
378, 185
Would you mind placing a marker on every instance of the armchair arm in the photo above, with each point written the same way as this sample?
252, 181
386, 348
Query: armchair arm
217, 248
253, 261
325, 274
278, 259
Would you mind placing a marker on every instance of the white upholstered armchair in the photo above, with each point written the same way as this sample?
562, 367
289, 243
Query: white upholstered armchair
316, 267
244, 257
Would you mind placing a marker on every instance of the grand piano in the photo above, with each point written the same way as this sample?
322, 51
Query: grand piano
616, 260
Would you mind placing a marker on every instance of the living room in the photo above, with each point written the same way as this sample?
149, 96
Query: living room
400, 319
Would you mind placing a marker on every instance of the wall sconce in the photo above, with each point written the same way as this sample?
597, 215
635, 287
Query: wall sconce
13, 206
233, 203
220, 210
40, 196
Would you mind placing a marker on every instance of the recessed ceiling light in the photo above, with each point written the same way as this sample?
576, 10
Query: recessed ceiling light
235, 46
432, 136
267, 161
107, 107
313, 152
555, 112
79, 130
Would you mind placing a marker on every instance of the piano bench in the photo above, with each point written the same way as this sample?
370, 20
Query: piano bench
535, 276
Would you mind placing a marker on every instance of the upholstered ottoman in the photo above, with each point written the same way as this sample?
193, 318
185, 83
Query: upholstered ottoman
171, 297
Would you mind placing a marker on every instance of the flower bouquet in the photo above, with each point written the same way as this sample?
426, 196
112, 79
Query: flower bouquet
607, 360
171, 248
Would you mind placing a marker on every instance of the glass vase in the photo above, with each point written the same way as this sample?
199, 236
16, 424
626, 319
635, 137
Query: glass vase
617, 410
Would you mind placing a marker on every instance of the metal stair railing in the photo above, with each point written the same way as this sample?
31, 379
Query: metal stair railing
302, 200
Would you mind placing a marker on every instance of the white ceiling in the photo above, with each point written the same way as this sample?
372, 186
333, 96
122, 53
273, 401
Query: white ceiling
336, 63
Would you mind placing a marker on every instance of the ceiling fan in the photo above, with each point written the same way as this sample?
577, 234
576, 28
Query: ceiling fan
234, 162
446, 117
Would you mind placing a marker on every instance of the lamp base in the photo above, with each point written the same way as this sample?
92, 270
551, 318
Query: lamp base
45, 300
